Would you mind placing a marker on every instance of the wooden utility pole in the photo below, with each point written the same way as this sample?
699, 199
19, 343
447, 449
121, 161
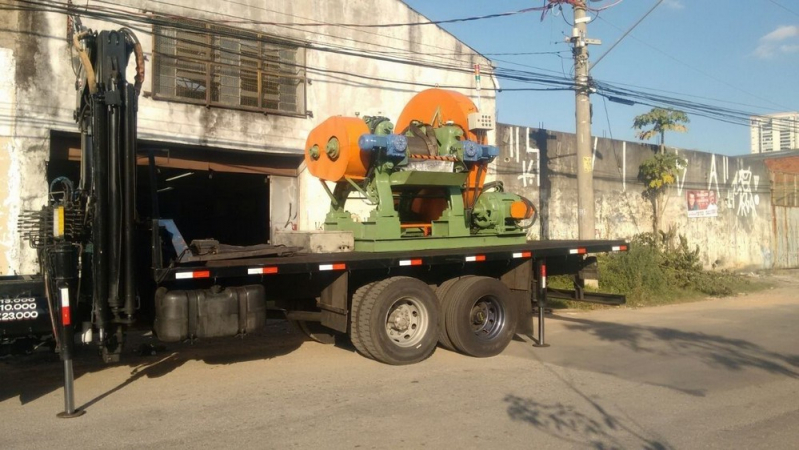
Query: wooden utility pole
582, 86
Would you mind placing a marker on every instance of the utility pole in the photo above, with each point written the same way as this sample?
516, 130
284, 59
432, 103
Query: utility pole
582, 87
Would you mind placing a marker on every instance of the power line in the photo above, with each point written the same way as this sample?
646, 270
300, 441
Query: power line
379, 45
784, 7
624, 35
553, 83
152, 19
697, 69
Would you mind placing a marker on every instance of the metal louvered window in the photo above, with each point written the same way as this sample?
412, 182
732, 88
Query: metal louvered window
228, 68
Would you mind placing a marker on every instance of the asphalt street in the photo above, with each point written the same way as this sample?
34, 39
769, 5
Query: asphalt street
722, 373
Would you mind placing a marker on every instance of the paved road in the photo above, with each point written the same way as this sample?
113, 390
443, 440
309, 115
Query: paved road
716, 374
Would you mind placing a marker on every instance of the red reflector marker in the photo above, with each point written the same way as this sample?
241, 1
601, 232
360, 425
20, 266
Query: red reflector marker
476, 258
577, 251
196, 274
65, 318
410, 262
523, 255
261, 270
543, 276
338, 266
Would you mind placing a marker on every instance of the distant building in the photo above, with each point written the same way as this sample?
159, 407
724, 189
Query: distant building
774, 132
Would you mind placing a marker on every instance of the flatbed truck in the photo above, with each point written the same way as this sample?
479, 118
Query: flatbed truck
395, 305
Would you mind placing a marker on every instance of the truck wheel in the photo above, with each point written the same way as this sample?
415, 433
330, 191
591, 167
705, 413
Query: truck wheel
315, 331
443, 302
397, 321
355, 336
480, 316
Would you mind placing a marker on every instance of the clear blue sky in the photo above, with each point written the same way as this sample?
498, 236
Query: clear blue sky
708, 51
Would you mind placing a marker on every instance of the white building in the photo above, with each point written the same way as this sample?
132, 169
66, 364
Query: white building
231, 105
774, 132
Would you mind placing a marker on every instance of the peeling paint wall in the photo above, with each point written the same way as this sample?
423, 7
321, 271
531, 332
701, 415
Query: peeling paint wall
38, 95
541, 165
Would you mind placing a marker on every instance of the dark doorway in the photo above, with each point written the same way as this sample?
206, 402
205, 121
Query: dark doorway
232, 208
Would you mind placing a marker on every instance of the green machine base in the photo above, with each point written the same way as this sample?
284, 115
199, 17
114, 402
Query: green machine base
435, 243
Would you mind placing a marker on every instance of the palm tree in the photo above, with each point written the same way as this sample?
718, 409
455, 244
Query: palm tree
660, 120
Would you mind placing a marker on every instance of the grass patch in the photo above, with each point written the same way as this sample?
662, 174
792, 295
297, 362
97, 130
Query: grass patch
658, 269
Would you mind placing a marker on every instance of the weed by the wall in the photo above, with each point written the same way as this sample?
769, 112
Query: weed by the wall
658, 269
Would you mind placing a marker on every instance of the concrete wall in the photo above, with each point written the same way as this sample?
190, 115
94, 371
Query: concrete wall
37, 92
541, 165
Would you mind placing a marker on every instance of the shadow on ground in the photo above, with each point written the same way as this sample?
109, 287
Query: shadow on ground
587, 425
34, 376
594, 428
717, 352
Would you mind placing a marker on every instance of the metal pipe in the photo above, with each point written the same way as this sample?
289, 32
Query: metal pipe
99, 223
155, 243
65, 274
85, 158
541, 296
114, 235
129, 200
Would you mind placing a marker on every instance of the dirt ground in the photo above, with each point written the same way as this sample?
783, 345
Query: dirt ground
722, 373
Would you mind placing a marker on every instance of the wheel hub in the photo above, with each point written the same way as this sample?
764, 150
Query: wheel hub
487, 317
406, 322
400, 319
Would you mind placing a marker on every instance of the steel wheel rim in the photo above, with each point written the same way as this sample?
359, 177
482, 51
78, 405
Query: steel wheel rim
407, 322
487, 318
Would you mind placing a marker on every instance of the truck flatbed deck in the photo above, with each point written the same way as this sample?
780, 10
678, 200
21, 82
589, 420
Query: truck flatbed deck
315, 262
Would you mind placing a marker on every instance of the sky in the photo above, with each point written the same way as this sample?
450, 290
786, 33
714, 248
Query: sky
737, 54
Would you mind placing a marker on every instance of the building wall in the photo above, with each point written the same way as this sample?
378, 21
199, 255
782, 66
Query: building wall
38, 94
541, 165
774, 132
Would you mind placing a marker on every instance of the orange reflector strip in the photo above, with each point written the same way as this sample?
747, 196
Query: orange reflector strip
410, 262
620, 248
197, 274
577, 251
338, 266
261, 270
476, 258
523, 255
65, 317
543, 276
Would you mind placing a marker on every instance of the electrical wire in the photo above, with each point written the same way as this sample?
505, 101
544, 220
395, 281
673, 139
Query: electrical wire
785, 8
607, 90
697, 69
629, 30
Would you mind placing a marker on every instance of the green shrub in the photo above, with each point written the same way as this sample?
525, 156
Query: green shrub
660, 268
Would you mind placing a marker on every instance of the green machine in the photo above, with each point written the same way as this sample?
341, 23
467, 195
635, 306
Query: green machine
425, 184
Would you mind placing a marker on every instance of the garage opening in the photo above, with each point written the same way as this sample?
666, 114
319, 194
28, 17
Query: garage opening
208, 192
232, 208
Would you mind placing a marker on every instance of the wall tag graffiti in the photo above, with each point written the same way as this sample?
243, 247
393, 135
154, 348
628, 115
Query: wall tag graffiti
743, 195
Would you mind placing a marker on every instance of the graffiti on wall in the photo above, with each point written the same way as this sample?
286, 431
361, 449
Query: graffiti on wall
682, 173
743, 188
527, 156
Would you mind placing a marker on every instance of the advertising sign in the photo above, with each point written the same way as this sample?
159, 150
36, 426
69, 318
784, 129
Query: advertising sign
701, 203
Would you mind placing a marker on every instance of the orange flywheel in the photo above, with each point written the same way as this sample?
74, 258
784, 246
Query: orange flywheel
332, 152
436, 107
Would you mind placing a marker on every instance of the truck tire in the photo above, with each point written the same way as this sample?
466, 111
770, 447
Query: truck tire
480, 316
397, 321
355, 336
443, 302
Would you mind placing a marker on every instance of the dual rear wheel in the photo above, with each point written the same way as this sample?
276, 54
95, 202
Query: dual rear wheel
478, 317
399, 320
